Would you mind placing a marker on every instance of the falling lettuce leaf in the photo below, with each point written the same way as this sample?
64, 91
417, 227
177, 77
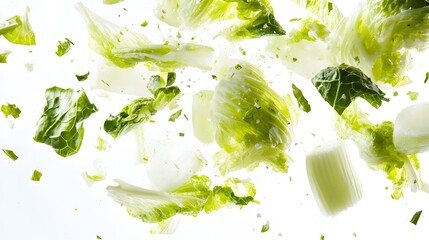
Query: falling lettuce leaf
302, 101
63, 47
110, 2
153, 206
10, 110
19, 30
10, 154
251, 122
61, 124
139, 111
340, 85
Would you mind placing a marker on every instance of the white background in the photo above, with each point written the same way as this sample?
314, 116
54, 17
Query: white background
62, 206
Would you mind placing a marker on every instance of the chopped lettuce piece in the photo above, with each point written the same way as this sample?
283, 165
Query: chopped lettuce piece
340, 85
416, 217
139, 111
10, 110
426, 77
254, 18
98, 174
252, 123
10, 24
61, 124
36, 176
3, 56
10, 154
101, 144
189, 199
125, 48
175, 115
63, 47
22, 33
265, 227
376, 147
82, 77
302, 101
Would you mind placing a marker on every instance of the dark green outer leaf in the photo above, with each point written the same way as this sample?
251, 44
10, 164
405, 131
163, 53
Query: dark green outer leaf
302, 101
340, 85
61, 125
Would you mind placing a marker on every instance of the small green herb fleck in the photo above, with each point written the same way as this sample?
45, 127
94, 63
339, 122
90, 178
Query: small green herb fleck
179, 35
265, 227
238, 67
175, 115
294, 59
294, 19
98, 237
322, 237
10, 109
413, 95
416, 217
105, 83
36, 176
395, 93
243, 51
357, 59
181, 134
330, 7
63, 47
82, 77
186, 117
427, 77
214, 77
10, 154
101, 144
171, 78
144, 24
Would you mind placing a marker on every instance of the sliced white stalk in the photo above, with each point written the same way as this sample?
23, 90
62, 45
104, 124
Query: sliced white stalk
411, 132
333, 180
201, 123
171, 164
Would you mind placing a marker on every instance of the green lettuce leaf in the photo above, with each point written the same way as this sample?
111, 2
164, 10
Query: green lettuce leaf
61, 124
139, 111
251, 122
18, 30
340, 85
153, 206
10, 154
125, 48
